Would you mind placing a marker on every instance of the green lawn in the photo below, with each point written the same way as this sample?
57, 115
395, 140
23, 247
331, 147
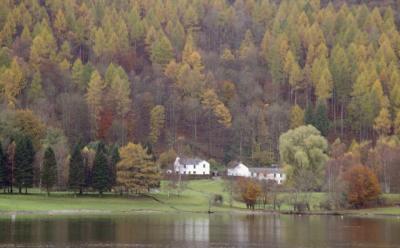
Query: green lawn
195, 198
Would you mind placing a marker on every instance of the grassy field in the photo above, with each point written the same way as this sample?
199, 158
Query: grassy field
195, 198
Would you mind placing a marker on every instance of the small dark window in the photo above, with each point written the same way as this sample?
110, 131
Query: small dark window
204, 166
184, 166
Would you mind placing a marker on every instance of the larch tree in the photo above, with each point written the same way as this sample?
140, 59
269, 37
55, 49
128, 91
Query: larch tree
383, 123
94, 98
60, 25
77, 74
323, 88
44, 47
212, 104
35, 90
136, 171
296, 117
136, 27
12, 82
161, 51
157, 121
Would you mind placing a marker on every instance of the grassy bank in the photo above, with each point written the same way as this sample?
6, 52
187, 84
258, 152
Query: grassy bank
195, 198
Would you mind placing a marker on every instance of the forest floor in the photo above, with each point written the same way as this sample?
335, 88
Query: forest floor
194, 198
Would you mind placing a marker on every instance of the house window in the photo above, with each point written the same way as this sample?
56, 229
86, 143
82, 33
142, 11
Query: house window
274, 174
184, 166
204, 172
204, 166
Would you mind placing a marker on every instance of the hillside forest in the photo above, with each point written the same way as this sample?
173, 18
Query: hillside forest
218, 79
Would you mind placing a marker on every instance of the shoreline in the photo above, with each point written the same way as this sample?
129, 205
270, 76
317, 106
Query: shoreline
93, 212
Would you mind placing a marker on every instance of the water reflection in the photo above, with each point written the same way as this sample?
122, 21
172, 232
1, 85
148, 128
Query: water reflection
200, 230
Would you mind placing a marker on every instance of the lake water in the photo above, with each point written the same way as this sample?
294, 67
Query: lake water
199, 230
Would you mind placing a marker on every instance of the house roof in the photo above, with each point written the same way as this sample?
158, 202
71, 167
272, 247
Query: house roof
233, 164
187, 161
265, 170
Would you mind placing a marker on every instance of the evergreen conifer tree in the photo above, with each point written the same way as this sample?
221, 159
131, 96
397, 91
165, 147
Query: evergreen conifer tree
49, 170
24, 157
76, 180
101, 178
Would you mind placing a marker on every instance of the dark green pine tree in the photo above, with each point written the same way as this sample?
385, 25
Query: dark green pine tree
3, 169
100, 176
24, 157
49, 170
309, 115
115, 158
321, 120
76, 180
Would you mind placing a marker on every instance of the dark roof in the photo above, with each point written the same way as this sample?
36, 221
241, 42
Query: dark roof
267, 170
233, 164
192, 161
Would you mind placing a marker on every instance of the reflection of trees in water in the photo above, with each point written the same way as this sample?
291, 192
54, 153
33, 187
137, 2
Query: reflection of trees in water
192, 229
185, 230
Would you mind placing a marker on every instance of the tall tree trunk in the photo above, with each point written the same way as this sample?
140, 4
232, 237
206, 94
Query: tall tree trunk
341, 120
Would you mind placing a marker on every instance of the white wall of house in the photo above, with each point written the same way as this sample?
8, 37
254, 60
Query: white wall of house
242, 170
278, 177
200, 168
239, 170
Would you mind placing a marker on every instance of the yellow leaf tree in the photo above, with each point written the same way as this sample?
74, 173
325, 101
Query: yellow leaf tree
136, 171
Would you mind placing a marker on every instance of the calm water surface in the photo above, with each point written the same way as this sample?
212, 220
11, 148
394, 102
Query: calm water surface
198, 230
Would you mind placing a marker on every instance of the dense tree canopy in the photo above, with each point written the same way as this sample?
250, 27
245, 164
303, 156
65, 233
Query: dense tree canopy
221, 79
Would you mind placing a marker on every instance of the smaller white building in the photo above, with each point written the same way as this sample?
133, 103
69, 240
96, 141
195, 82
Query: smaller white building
273, 173
238, 169
191, 166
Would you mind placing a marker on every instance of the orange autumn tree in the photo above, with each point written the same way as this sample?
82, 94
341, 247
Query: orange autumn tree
363, 186
250, 191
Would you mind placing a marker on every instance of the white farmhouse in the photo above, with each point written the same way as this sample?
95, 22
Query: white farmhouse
191, 166
268, 173
274, 173
238, 169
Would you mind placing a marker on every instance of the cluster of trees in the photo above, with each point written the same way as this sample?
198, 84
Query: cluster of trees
92, 167
352, 177
345, 174
223, 79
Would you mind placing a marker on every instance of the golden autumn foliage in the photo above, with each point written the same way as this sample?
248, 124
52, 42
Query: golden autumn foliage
363, 186
250, 190
136, 171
